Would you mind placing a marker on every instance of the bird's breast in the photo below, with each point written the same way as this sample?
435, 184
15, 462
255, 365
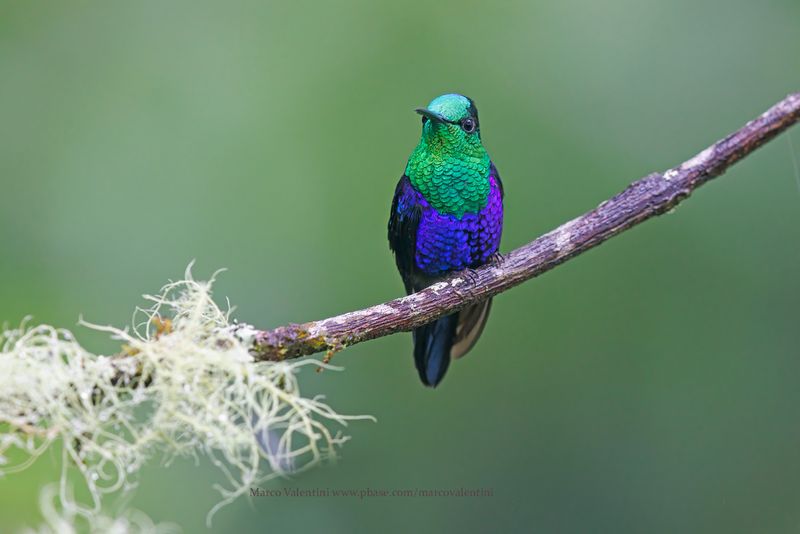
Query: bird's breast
448, 242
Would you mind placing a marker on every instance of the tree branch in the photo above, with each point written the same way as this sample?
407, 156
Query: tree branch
652, 195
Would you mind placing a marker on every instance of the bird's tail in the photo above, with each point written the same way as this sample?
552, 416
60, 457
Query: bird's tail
448, 337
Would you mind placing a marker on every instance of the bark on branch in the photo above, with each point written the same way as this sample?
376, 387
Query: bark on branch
652, 195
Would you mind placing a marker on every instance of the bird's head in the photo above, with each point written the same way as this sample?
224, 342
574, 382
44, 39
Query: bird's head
449, 166
450, 124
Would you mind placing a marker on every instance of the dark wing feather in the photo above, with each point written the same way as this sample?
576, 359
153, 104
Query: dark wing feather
493, 171
403, 225
471, 321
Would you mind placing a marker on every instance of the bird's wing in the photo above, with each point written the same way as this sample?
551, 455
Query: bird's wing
471, 321
493, 172
403, 225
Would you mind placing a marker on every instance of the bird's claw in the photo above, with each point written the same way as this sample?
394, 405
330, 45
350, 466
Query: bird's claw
496, 258
471, 275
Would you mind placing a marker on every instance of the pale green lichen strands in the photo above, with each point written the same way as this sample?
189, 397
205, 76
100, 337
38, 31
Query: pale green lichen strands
449, 166
190, 389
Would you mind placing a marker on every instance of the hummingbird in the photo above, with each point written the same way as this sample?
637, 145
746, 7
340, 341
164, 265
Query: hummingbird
446, 216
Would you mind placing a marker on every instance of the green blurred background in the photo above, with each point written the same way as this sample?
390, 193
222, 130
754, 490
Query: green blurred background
648, 386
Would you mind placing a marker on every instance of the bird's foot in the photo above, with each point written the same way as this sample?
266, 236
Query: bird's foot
496, 258
471, 275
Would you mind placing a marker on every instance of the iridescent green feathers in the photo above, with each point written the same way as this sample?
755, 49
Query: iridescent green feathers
449, 166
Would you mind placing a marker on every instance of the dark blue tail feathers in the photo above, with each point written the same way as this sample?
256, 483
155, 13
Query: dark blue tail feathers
432, 344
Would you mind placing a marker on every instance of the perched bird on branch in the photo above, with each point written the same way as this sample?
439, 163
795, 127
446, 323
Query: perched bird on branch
447, 215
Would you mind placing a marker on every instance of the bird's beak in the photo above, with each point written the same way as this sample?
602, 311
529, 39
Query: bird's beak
435, 117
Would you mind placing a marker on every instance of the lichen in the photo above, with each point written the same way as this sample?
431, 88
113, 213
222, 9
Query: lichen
185, 384
58, 520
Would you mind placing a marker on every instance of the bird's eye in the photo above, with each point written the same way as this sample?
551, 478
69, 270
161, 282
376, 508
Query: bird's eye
468, 125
